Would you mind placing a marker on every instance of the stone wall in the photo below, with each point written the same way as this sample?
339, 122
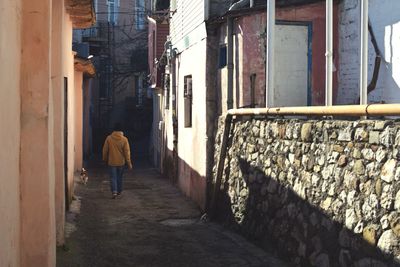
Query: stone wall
323, 192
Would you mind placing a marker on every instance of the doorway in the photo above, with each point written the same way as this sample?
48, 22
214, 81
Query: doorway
292, 64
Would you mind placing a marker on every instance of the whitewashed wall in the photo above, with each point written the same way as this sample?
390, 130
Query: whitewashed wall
189, 14
385, 19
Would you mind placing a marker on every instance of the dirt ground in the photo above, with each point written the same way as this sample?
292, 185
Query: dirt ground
151, 224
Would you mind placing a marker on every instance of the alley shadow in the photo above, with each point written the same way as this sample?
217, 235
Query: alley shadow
277, 219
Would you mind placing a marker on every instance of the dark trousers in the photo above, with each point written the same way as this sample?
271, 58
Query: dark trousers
116, 173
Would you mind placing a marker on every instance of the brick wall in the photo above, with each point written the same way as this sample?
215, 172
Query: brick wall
384, 18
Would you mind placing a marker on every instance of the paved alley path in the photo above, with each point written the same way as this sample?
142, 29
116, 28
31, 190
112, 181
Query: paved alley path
152, 224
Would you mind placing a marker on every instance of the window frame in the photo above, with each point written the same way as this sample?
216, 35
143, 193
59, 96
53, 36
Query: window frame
188, 101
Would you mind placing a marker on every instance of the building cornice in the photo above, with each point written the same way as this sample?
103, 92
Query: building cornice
85, 66
82, 13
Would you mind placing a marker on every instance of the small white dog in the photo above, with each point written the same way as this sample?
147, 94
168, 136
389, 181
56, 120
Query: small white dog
84, 176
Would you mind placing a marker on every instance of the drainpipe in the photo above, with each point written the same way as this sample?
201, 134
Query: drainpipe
342, 110
174, 114
269, 74
364, 54
229, 59
229, 103
174, 102
329, 53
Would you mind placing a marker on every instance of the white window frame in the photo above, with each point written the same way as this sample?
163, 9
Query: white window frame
113, 8
329, 53
188, 101
140, 8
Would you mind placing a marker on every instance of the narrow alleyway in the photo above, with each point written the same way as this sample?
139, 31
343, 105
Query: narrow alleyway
151, 224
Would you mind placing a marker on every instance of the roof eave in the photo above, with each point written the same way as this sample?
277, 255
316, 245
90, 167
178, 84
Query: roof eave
82, 13
85, 66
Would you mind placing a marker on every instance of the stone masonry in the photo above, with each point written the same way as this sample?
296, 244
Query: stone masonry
326, 192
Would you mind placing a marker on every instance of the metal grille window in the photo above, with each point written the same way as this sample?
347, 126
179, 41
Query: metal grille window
188, 98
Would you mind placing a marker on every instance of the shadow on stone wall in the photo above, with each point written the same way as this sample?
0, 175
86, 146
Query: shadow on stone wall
285, 220
286, 223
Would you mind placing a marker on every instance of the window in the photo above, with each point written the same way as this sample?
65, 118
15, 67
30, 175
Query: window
113, 11
166, 82
188, 96
222, 57
140, 15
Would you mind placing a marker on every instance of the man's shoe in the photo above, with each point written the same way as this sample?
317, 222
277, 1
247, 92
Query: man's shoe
114, 195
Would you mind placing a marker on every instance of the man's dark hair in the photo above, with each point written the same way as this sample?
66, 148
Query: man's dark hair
117, 127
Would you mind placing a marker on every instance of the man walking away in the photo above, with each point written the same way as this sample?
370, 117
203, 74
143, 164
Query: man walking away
117, 154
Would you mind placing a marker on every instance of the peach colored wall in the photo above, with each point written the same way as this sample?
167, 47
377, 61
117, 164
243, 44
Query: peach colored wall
31, 116
37, 193
10, 47
68, 69
78, 119
58, 110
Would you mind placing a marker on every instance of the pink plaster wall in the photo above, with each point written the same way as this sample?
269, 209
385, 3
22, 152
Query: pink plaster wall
37, 193
10, 29
68, 69
36, 57
58, 115
250, 34
78, 120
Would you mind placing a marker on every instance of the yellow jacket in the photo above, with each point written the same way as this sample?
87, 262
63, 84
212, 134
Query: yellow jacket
116, 151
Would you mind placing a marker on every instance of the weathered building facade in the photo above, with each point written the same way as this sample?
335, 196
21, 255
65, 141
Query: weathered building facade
187, 126
118, 44
324, 191
299, 56
197, 99
158, 30
38, 162
210, 74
